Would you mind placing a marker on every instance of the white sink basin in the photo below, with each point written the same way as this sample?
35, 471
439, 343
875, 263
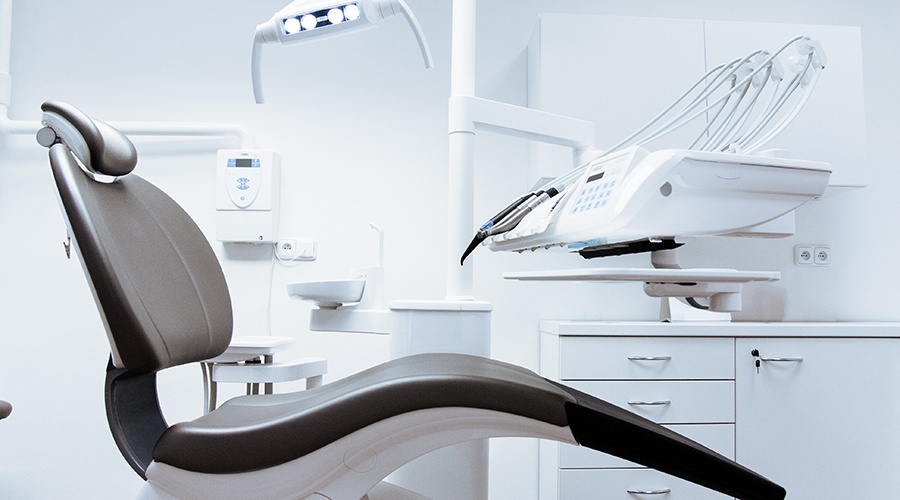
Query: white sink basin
329, 294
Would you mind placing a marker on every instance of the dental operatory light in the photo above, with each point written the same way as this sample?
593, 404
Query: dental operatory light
305, 20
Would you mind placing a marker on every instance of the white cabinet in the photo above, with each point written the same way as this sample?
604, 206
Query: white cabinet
824, 427
821, 417
686, 384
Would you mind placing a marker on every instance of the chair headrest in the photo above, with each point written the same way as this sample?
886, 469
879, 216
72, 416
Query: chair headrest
101, 148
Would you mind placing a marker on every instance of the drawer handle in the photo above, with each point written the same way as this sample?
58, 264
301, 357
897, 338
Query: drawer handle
649, 358
664, 491
758, 359
662, 402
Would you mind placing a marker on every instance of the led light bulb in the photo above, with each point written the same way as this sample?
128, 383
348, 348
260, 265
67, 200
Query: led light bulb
301, 20
351, 12
336, 16
291, 25
308, 22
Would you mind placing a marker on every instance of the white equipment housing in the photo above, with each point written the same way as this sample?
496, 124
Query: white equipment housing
247, 196
638, 195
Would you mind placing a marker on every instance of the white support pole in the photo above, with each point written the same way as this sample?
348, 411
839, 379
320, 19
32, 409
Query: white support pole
461, 186
5, 34
459, 323
462, 57
461, 182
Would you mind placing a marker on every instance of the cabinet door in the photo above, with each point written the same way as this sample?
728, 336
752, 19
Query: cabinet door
824, 427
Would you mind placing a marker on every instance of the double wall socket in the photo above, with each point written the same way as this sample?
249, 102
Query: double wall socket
294, 249
812, 255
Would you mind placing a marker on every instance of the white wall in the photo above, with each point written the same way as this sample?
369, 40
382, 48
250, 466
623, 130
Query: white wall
362, 137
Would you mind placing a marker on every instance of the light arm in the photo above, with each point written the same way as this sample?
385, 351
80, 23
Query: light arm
417, 30
256, 68
304, 20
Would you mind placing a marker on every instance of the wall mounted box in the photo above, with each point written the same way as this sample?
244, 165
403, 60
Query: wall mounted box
247, 196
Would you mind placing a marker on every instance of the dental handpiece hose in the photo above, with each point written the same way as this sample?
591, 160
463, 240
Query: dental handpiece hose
519, 213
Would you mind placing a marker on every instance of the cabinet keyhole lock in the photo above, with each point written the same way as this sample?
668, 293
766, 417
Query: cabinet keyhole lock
759, 359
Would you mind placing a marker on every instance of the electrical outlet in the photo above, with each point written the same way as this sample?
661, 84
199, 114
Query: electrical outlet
803, 255
292, 249
286, 249
822, 256
812, 255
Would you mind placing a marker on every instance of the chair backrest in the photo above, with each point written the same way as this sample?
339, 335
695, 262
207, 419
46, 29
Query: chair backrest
155, 278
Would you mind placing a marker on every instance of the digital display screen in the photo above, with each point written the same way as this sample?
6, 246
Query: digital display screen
596, 176
243, 162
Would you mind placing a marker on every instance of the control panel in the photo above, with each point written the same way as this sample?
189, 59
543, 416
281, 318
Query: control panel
599, 185
247, 195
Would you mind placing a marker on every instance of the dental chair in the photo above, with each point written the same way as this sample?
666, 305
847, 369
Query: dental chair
164, 302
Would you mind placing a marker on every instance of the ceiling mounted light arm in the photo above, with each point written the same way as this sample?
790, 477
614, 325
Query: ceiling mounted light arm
413, 24
305, 20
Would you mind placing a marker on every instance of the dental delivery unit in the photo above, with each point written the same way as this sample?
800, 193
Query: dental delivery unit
631, 199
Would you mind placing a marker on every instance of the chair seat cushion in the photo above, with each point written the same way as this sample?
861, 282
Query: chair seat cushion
255, 432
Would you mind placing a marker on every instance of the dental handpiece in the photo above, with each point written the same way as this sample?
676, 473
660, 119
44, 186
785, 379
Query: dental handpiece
508, 218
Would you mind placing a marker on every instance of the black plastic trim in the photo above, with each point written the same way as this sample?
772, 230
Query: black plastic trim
605, 427
134, 415
628, 247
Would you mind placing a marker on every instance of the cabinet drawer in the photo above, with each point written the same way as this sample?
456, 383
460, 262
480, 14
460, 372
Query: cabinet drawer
608, 358
624, 484
668, 401
717, 437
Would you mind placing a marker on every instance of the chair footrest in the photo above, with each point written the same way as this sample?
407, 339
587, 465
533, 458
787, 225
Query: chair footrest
283, 371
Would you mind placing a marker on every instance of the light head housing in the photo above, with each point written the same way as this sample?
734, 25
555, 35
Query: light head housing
304, 20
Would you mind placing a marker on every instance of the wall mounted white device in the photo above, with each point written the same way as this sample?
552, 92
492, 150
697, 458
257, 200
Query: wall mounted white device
305, 20
247, 195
